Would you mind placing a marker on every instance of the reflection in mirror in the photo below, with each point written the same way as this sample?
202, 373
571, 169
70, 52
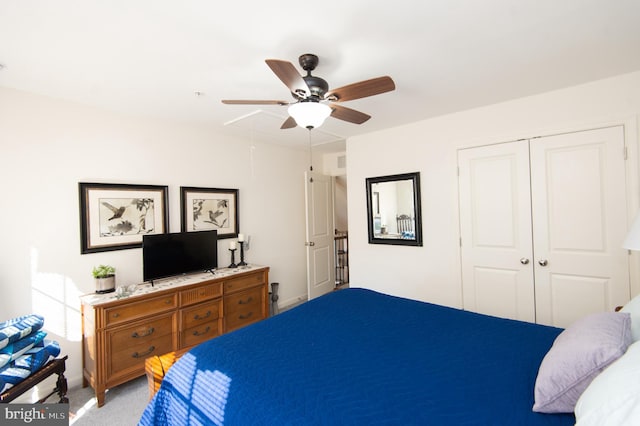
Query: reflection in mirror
393, 209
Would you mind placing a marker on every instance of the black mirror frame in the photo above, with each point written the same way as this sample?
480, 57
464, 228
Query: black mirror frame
417, 207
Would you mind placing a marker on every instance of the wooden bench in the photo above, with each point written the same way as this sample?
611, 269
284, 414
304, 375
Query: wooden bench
55, 366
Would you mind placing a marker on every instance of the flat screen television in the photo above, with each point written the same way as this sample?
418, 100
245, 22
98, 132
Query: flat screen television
166, 255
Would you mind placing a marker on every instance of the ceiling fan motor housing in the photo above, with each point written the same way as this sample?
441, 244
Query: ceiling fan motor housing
317, 86
308, 61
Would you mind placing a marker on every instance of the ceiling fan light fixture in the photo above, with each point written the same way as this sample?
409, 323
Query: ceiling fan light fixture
309, 114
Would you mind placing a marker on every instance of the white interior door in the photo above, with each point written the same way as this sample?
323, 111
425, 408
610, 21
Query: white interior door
580, 221
320, 231
495, 229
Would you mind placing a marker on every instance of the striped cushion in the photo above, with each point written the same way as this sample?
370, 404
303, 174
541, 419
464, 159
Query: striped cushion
31, 361
13, 351
17, 328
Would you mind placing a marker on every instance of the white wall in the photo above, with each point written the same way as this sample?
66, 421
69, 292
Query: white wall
432, 272
340, 206
47, 146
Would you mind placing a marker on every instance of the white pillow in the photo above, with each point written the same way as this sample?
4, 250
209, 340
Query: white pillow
613, 397
633, 308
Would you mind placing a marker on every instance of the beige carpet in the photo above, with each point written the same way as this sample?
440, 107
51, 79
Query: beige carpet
123, 406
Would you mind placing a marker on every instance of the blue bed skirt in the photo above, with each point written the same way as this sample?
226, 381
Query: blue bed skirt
357, 357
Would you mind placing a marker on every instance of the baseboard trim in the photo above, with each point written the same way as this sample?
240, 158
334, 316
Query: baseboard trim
291, 303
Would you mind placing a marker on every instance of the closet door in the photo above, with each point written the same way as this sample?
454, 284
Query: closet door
495, 229
579, 223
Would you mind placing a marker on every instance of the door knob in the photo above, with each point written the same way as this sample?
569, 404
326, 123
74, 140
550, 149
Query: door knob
310, 244
543, 262
524, 261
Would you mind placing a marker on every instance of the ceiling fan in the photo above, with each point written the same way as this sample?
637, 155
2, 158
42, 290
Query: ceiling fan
313, 101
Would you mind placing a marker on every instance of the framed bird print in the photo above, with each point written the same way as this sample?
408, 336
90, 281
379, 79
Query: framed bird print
210, 208
116, 216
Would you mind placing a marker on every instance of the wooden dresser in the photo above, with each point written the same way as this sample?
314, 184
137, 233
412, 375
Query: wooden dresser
118, 334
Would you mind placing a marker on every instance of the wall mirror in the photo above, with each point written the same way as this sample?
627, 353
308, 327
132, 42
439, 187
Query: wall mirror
394, 210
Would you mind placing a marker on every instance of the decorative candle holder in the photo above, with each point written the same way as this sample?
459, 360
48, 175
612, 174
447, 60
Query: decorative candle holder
233, 260
242, 262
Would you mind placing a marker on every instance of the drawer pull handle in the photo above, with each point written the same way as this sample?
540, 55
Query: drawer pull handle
246, 316
116, 315
196, 333
135, 334
244, 302
143, 354
168, 302
198, 317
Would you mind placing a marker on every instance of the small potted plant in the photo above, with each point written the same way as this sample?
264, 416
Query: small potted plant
105, 278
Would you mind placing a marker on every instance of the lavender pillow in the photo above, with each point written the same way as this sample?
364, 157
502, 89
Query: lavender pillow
577, 356
633, 308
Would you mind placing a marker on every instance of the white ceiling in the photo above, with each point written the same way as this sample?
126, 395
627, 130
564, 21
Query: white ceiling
149, 57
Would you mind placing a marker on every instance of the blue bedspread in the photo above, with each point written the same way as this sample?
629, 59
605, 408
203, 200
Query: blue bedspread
357, 357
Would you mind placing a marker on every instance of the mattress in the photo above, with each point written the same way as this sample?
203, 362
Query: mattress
356, 357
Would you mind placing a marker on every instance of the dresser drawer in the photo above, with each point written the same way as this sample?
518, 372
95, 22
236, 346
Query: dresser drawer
241, 283
143, 331
200, 314
244, 308
198, 334
132, 311
129, 346
133, 357
200, 294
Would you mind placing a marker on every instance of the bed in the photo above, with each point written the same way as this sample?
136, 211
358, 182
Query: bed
357, 357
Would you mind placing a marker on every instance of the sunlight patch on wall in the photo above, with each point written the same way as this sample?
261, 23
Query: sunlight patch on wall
57, 299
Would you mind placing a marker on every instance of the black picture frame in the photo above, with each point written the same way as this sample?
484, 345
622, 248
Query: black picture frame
380, 209
115, 216
210, 208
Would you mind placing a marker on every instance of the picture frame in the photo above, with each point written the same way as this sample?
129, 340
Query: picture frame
115, 216
210, 208
394, 210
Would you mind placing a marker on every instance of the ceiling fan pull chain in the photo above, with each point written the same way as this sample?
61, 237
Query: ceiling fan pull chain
310, 157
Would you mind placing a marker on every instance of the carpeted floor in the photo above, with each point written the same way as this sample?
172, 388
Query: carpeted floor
123, 406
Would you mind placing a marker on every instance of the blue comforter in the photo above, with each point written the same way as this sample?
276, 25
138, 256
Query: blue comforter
357, 357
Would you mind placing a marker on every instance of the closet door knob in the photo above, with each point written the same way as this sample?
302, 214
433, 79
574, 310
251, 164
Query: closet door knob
543, 262
524, 261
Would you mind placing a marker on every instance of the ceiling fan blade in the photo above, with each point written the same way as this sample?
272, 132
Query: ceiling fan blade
253, 102
362, 89
289, 123
348, 114
289, 76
